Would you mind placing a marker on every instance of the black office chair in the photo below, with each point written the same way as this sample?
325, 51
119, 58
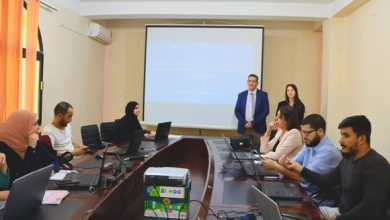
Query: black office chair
91, 137
109, 132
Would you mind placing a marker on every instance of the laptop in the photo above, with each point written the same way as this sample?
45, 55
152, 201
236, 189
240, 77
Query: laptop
269, 208
249, 168
133, 148
26, 194
162, 132
283, 191
83, 181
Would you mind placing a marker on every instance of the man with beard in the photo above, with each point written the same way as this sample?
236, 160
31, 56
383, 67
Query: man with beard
60, 131
319, 154
363, 174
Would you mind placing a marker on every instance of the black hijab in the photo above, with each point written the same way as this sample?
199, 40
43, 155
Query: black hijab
129, 123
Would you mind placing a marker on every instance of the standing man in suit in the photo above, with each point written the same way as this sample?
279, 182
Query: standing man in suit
251, 110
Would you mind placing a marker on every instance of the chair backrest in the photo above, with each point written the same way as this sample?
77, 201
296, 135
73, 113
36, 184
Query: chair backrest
109, 132
90, 135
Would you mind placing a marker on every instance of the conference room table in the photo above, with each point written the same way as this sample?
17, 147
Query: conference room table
217, 189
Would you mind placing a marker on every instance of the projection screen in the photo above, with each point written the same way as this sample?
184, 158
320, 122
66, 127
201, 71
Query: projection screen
193, 74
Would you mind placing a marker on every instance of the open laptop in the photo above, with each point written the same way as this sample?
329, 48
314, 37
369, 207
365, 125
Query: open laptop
249, 168
26, 194
283, 191
83, 181
269, 208
238, 153
133, 148
162, 132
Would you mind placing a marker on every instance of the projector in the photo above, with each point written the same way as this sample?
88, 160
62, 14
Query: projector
167, 176
240, 142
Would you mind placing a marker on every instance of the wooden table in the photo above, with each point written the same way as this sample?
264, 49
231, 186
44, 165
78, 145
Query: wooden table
205, 157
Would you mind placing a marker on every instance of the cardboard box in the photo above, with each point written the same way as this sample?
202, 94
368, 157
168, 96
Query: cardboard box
166, 201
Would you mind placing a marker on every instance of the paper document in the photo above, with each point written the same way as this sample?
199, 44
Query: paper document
172, 136
258, 162
60, 175
54, 197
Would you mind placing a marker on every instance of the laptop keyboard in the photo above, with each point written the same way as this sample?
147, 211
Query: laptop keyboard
83, 178
260, 171
281, 189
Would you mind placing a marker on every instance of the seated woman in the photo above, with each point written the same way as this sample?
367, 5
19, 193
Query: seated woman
19, 142
288, 139
129, 123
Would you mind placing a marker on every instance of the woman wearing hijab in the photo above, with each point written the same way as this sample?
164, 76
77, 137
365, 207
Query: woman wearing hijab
129, 123
19, 142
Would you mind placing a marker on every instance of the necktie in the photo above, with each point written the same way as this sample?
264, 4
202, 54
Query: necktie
252, 104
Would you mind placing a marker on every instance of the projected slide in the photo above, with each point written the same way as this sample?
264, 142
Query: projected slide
193, 74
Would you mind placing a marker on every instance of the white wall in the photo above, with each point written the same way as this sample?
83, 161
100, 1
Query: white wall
356, 65
73, 67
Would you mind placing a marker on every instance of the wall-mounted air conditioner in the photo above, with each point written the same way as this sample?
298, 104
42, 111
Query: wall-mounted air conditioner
100, 33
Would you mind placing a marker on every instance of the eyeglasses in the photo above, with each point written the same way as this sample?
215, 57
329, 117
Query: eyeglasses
306, 133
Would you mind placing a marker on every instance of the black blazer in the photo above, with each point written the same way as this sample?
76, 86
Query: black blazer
34, 159
298, 106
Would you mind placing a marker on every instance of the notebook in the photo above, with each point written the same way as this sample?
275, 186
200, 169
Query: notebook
269, 208
162, 132
83, 181
26, 194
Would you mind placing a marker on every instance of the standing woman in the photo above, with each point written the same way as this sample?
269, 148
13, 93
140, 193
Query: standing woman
288, 139
292, 99
19, 142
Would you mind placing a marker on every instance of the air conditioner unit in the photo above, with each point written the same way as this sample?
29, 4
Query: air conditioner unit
100, 33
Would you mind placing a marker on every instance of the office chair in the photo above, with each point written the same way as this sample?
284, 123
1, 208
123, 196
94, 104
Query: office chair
109, 132
91, 137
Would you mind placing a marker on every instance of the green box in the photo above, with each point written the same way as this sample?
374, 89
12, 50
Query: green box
158, 199
156, 207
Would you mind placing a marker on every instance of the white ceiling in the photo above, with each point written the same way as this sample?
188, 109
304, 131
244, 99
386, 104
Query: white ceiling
298, 10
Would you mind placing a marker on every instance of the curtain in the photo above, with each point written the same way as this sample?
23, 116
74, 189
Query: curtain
11, 29
10, 55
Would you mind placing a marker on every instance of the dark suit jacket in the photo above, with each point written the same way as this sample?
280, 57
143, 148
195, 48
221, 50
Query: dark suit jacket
261, 111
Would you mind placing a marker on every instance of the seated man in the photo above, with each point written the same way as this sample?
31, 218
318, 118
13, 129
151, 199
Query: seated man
363, 174
319, 154
60, 131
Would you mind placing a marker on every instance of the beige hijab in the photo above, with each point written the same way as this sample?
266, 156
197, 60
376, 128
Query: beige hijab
16, 129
